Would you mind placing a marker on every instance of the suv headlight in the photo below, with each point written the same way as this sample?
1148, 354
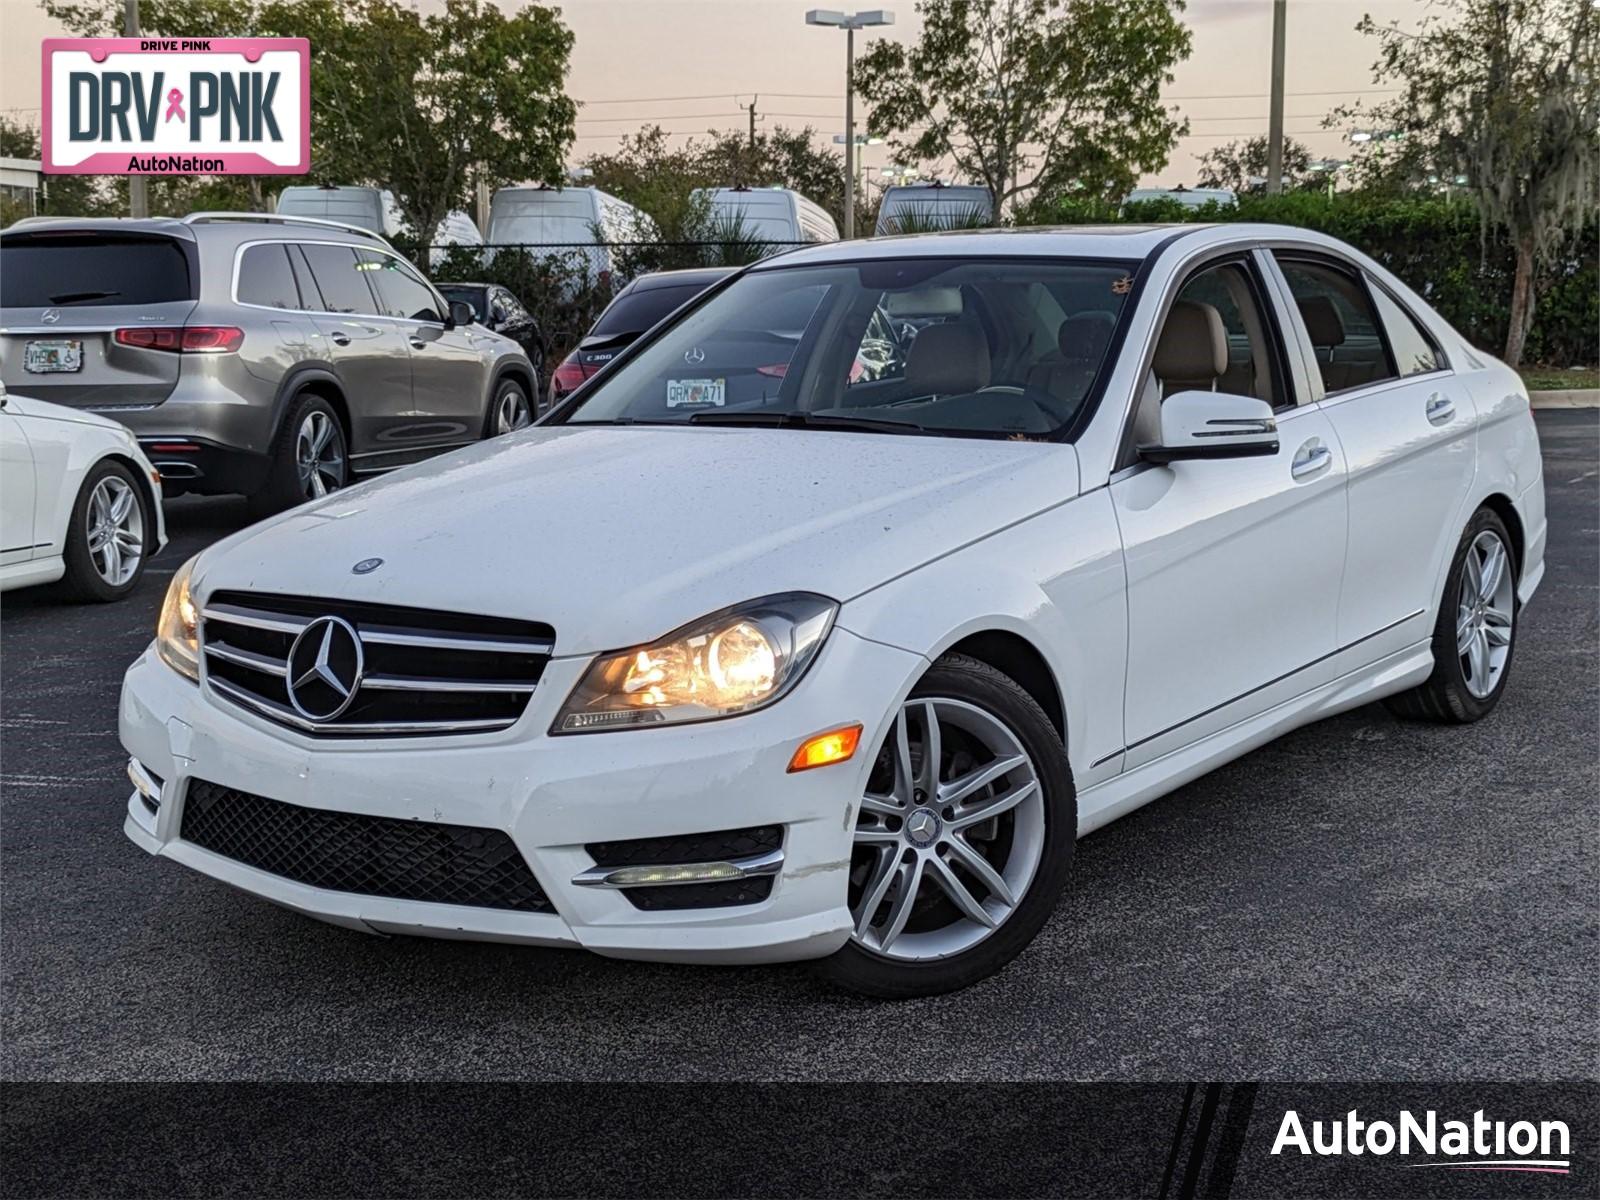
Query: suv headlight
734, 661
178, 627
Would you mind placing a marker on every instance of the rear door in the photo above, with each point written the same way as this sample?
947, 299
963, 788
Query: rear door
448, 384
1408, 430
367, 350
64, 294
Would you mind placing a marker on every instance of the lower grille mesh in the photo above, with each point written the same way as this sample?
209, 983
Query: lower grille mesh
370, 856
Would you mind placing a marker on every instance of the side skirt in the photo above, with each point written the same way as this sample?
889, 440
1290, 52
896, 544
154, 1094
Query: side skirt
1105, 802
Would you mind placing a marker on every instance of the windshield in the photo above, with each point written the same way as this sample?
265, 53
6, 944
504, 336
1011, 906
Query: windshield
975, 346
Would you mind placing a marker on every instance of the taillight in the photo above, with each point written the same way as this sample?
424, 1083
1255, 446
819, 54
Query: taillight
182, 339
774, 371
569, 375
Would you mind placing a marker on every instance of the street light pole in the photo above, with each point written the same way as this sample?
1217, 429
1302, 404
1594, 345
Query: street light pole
849, 23
138, 192
1275, 117
849, 132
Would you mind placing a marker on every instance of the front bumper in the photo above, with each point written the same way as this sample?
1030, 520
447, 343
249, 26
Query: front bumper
552, 796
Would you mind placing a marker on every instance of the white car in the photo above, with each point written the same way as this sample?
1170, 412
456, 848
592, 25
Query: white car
78, 501
841, 670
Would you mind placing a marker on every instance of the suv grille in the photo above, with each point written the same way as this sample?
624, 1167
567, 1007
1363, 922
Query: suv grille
371, 856
421, 672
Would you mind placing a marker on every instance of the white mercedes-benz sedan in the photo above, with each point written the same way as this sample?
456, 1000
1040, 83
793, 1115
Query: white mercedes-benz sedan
823, 621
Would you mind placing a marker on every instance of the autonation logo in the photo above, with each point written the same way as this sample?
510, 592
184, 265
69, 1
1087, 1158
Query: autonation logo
1479, 1144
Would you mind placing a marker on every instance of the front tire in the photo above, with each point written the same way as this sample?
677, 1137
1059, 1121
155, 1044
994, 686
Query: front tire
963, 840
1475, 634
107, 539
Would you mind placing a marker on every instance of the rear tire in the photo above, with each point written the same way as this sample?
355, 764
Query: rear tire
1474, 638
985, 865
108, 536
309, 458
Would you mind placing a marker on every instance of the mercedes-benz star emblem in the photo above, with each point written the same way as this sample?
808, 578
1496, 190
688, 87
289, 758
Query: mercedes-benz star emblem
922, 826
324, 669
694, 356
50, 316
366, 566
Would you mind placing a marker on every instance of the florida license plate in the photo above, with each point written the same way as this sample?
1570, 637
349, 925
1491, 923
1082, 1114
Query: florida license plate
44, 357
696, 393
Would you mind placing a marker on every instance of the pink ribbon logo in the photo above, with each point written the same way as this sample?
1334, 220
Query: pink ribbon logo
175, 105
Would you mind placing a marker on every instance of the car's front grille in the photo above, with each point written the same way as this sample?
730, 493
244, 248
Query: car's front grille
412, 671
353, 852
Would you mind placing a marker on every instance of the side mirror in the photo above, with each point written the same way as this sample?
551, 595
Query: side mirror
460, 314
1213, 425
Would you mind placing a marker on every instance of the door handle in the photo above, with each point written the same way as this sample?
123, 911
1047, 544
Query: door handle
339, 339
1440, 409
1311, 459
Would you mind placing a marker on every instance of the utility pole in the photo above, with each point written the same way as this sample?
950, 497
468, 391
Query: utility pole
1275, 119
138, 193
751, 109
849, 132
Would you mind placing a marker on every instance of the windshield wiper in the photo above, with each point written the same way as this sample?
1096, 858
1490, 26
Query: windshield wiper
76, 297
803, 420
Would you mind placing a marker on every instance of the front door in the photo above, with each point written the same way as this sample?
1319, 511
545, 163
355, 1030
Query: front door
1233, 566
16, 492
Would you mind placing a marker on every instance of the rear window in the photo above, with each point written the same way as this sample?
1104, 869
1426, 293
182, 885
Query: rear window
638, 311
43, 271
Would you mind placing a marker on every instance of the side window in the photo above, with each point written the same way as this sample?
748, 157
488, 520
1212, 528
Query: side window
401, 292
310, 296
1414, 351
1217, 338
1338, 314
340, 279
266, 278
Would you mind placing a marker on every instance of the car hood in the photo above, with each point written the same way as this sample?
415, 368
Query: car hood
618, 535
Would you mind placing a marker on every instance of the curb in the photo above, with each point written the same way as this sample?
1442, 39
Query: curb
1567, 398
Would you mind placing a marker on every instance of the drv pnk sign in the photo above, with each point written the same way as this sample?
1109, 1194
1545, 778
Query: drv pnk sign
171, 106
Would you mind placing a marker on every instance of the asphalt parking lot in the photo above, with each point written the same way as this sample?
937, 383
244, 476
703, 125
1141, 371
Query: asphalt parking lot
1364, 899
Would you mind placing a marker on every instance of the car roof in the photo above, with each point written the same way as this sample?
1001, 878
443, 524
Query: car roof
170, 226
1116, 242
229, 226
688, 276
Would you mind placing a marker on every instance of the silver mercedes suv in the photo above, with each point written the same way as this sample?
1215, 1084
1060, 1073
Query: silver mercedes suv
275, 357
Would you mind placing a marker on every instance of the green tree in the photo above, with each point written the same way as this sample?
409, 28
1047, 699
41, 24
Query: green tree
1242, 166
1507, 94
422, 104
1032, 95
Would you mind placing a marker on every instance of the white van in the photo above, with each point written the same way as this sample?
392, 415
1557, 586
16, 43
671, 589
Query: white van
1186, 196
554, 221
364, 207
777, 215
457, 229
922, 207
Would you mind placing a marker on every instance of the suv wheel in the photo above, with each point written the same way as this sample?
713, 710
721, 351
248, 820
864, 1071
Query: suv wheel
510, 409
963, 840
106, 538
309, 458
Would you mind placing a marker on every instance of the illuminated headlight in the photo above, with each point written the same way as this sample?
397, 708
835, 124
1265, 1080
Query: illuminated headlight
178, 628
739, 659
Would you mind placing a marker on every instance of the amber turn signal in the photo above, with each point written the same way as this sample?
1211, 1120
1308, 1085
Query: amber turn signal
825, 749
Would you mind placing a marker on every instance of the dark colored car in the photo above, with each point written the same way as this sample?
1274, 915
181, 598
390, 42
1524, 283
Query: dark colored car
634, 311
498, 310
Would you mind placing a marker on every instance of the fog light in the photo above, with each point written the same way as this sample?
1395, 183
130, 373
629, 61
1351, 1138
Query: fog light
825, 749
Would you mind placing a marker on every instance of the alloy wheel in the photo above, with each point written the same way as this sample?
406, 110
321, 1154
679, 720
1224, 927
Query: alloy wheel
115, 530
511, 411
951, 832
1485, 613
319, 455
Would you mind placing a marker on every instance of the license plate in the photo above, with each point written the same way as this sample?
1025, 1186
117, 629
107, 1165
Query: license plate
44, 357
697, 393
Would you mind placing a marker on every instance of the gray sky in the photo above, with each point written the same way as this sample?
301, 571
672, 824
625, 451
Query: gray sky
689, 64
